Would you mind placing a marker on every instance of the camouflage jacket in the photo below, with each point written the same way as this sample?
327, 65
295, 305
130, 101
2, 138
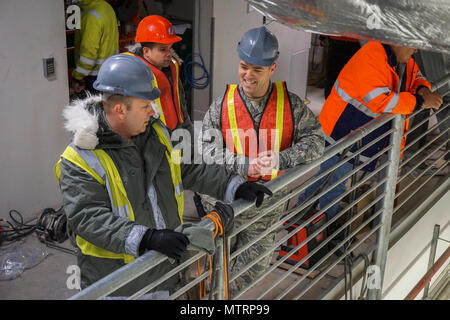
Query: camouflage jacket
307, 143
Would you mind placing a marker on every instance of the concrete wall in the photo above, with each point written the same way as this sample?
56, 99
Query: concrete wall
292, 66
232, 20
31, 134
203, 31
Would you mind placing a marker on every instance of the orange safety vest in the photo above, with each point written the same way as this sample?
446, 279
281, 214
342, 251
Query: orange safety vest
275, 130
368, 86
169, 103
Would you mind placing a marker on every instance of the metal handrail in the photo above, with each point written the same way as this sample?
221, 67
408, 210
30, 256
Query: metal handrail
383, 218
428, 275
151, 259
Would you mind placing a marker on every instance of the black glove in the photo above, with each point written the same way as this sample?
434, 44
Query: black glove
166, 241
226, 214
251, 191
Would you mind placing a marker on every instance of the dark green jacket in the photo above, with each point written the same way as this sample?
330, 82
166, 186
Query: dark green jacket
140, 163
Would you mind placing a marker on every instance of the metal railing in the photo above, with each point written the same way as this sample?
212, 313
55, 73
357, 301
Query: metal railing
432, 269
367, 212
422, 179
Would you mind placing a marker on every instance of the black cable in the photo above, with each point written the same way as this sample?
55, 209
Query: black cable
366, 265
198, 205
350, 213
348, 262
18, 229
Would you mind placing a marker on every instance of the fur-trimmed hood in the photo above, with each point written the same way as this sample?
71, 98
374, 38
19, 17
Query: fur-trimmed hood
81, 118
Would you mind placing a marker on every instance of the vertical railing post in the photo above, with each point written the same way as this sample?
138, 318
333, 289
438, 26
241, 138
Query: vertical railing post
432, 257
380, 253
219, 284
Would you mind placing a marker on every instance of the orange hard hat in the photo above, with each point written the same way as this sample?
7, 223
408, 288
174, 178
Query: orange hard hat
156, 29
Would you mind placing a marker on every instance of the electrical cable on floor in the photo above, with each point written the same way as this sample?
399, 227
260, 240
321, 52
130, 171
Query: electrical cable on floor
16, 229
348, 262
50, 227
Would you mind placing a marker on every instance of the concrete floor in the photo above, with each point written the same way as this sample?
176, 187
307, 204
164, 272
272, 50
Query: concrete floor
45, 281
48, 279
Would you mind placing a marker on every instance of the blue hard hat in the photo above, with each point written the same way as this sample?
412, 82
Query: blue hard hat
126, 75
258, 46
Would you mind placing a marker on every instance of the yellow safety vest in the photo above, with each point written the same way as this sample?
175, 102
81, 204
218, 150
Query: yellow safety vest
101, 167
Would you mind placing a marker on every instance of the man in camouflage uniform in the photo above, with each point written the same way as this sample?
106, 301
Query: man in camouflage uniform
293, 137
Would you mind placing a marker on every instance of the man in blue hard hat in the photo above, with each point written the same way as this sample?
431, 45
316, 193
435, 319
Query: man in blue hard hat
122, 190
258, 129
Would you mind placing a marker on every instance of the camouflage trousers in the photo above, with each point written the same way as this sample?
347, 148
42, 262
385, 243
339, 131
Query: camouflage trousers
259, 248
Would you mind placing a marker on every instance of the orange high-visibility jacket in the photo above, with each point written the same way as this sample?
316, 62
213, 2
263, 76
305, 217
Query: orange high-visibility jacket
275, 131
169, 103
368, 86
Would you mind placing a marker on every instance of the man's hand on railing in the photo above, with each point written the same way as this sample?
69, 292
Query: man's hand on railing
431, 100
226, 214
251, 191
166, 241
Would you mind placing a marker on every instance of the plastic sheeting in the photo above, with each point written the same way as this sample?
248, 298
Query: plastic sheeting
423, 24
18, 257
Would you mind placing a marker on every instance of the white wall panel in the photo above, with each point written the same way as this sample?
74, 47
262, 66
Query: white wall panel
31, 133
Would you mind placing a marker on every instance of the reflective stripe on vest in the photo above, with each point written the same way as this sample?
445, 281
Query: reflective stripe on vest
275, 130
279, 122
392, 103
358, 105
173, 158
176, 88
375, 93
101, 167
169, 103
